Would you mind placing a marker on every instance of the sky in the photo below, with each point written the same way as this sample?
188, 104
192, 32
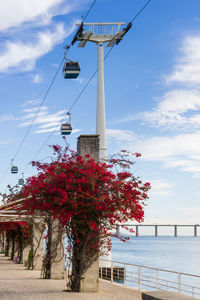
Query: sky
152, 92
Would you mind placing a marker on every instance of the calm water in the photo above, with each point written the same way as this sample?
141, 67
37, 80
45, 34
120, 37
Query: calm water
180, 254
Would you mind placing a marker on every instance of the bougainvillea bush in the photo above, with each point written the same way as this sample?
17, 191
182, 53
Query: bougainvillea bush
87, 197
15, 231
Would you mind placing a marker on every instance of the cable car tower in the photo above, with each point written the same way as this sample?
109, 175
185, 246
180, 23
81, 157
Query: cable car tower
100, 33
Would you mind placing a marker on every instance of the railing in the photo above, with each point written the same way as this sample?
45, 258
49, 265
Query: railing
103, 28
147, 278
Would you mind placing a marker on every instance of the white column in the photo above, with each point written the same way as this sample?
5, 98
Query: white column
101, 118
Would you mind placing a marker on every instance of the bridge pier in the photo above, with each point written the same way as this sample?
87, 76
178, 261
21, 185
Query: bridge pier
156, 230
195, 230
117, 230
136, 230
175, 230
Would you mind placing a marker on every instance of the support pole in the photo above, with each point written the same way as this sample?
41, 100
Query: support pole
136, 230
195, 230
38, 243
101, 116
89, 144
156, 230
175, 230
117, 230
58, 234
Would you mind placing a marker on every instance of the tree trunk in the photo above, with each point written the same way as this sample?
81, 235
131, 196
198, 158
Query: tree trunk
20, 250
7, 245
76, 268
48, 260
13, 245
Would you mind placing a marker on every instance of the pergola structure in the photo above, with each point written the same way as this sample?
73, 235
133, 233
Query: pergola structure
9, 212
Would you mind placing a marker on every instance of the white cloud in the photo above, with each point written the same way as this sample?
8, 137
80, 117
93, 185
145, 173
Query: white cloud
31, 102
76, 130
45, 120
120, 135
22, 56
37, 78
178, 108
14, 14
192, 166
4, 142
164, 147
5, 118
190, 211
47, 130
179, 151
160, 188
187, 66
56, 128
31, 31
33, 108
177, 112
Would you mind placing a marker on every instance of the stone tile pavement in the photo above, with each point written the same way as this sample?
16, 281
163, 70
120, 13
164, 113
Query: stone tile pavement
16, 283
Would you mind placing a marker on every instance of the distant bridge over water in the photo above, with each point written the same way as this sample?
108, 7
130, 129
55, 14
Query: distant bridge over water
156, 226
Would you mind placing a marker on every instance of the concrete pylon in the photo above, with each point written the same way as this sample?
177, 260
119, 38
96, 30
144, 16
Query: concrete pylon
38, 243
89, 144
58, 265
25, 254
2, 242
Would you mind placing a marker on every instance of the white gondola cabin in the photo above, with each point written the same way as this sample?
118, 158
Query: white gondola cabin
71, 70
14, 169
21, 181
66, 128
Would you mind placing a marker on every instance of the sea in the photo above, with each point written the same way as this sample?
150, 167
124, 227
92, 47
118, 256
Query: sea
179, 254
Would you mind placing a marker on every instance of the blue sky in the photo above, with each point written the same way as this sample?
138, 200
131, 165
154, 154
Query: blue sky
151, 87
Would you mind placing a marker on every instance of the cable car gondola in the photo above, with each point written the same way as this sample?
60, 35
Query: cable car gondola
21, 180
71, 69
66, 128
14, 169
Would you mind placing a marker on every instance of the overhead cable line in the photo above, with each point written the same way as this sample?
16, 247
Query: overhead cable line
70, 109
87, 13
140, 11
52, 133
47, 92
38, 110
35, 116
88, 82
86, 85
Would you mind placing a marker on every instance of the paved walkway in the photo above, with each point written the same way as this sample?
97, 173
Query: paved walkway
16, 283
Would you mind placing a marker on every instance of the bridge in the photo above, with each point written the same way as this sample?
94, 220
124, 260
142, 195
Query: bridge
156, 226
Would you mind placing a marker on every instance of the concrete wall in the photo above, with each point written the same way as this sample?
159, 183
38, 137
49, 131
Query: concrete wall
88, 144
164, 295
